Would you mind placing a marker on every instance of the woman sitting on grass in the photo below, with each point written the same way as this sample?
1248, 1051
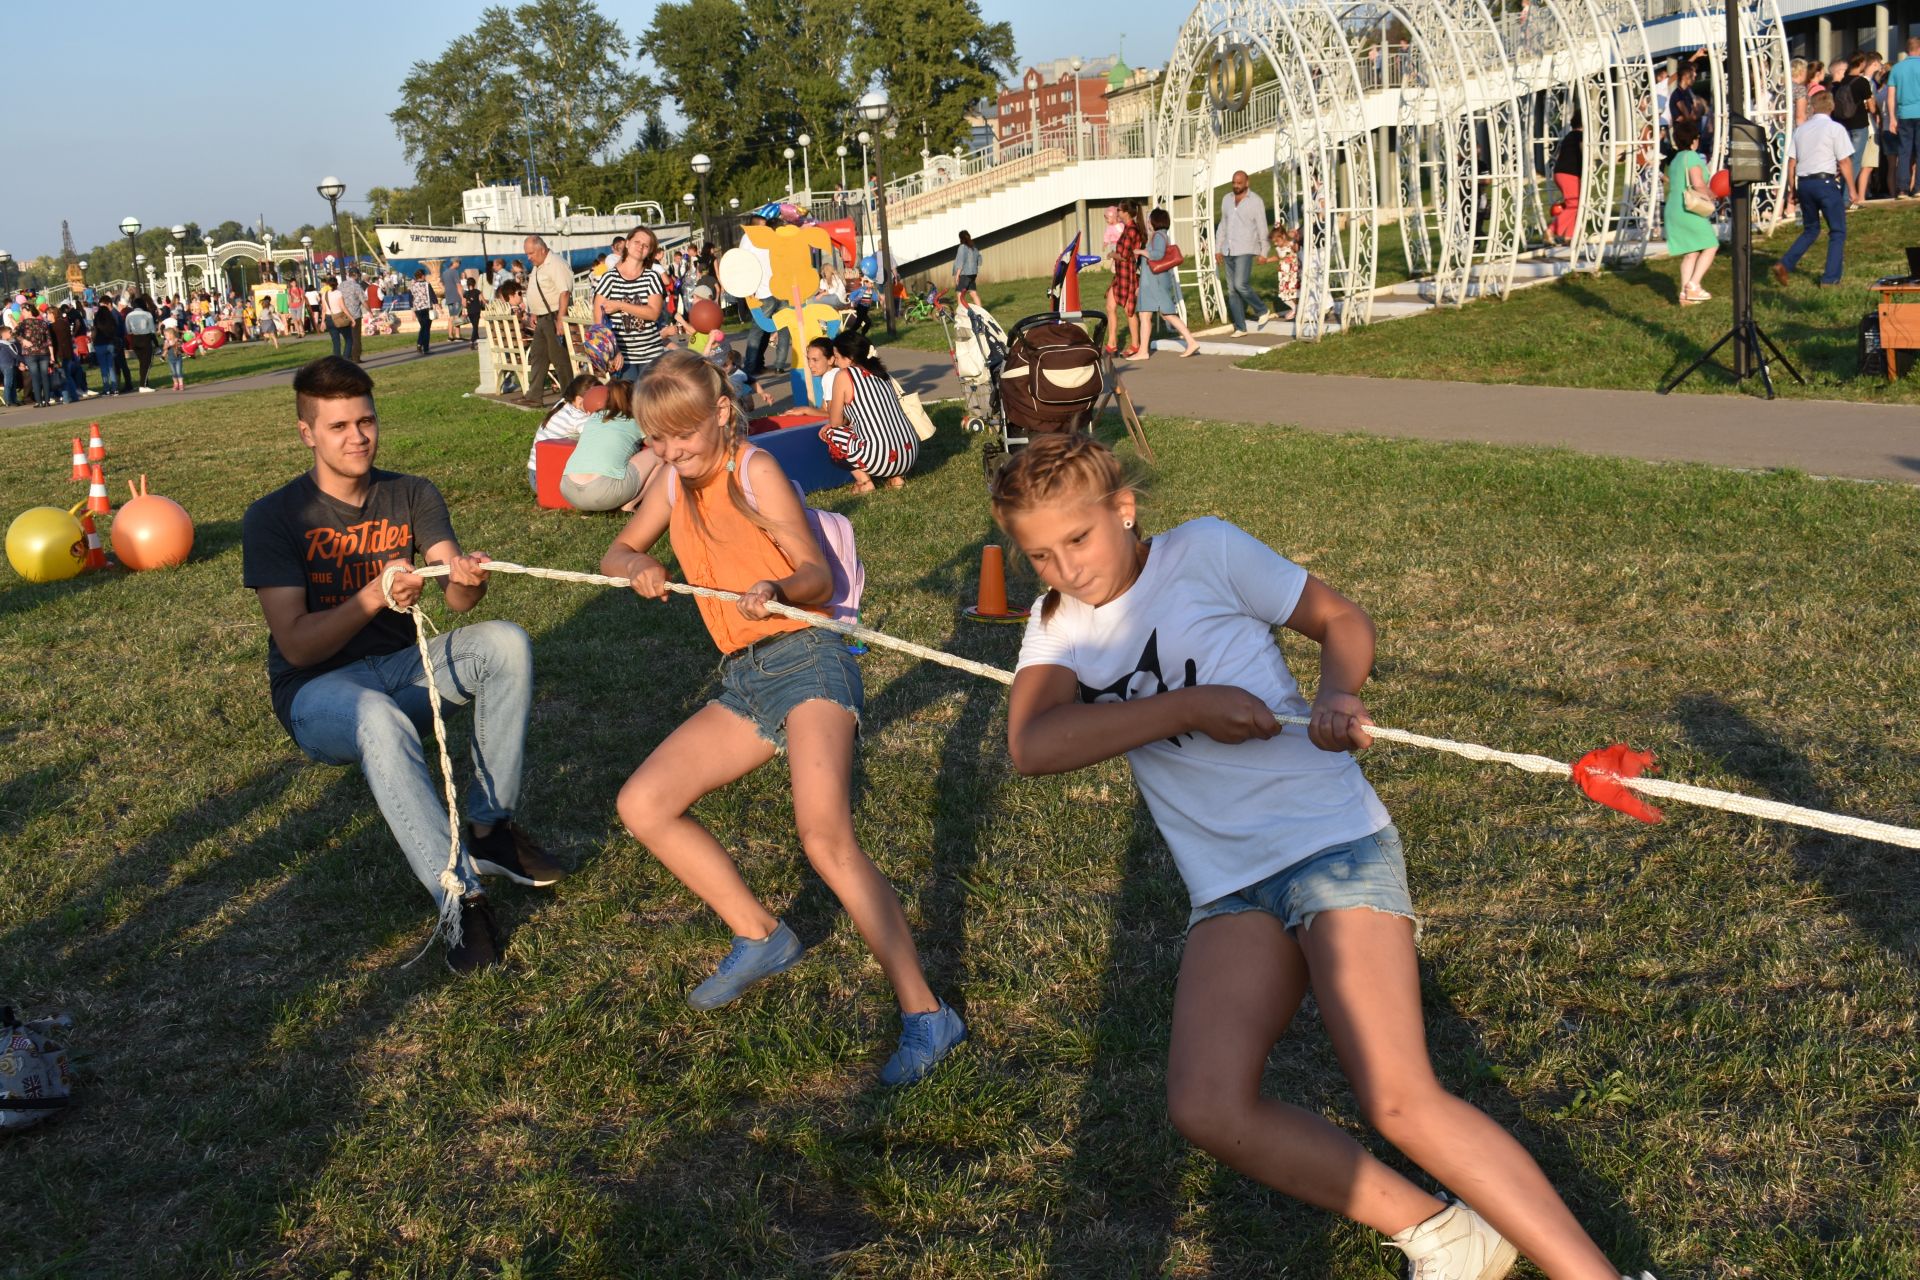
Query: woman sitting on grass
1163, 650
611, 464
867, 431
565, 420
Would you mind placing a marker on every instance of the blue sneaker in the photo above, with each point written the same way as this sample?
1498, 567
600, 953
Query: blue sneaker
925, 1038
746, 964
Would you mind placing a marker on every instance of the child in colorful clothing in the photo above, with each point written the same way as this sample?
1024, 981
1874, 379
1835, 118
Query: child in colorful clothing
1163, 650
737, 523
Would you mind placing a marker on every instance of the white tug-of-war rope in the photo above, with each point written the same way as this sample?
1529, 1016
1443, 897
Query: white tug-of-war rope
1707, 797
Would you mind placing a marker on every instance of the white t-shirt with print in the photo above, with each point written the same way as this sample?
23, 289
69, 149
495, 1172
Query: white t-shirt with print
1202, 612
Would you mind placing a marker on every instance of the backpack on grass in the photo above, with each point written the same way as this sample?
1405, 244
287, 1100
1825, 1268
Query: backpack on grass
34, 1079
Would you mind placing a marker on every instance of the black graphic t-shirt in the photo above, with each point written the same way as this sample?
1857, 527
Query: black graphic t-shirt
297, 536
1202, 611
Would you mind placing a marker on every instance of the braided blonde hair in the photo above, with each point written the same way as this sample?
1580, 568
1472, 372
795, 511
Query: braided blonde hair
1056, 468
677, 398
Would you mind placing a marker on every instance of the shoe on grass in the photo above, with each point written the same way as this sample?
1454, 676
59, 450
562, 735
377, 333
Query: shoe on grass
508, 851
481, 941
1455, 1244
925, 1038
749, 961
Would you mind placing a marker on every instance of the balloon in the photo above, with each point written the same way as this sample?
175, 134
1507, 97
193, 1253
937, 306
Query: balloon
213, 337
705, 316
742, 273
870, 265
190, 346
46, 544
1721, 184
152, 532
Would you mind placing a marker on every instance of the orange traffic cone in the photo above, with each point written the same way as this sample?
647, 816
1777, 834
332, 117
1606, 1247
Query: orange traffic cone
80, 472
98, 503
96, 554
96, 447
992, 603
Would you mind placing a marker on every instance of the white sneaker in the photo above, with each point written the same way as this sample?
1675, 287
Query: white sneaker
1455, 1244
146, 391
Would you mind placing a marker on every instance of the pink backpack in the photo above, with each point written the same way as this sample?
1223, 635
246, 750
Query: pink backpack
833, 531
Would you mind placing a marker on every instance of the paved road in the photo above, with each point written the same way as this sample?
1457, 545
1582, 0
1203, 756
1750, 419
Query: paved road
1832, 438
1826, 437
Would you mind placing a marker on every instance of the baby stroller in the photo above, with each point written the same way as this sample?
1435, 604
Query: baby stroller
1050, 378
978, 346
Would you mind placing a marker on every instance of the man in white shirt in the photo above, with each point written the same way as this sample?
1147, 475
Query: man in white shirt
549, 291
354, 295
1819, 171
1662, 96
1241, 237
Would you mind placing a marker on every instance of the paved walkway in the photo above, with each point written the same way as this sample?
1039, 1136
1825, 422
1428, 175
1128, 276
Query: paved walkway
1825, 437
102, 406
1830, 438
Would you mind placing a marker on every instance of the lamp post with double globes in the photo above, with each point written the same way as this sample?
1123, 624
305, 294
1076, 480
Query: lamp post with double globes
702, 165
874, 108
179, 251
841, 151
788, 153
806, 166
331, 189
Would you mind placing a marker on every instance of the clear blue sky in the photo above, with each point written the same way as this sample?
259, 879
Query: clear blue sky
220, 123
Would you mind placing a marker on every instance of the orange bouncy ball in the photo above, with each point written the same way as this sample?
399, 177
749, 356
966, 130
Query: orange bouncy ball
151, 532
705, 316
1721, 184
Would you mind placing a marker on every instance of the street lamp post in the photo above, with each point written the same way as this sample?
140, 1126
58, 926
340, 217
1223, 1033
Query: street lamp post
272, 272
806, 166
139, 269
788, 153
873, 109
331, 189
178, 252
702, 165
841, 151
306, 247
866, 190
130, 227
485, 261
1075, 64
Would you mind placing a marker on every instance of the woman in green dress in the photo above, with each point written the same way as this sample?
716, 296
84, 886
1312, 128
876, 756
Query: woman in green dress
1690, 237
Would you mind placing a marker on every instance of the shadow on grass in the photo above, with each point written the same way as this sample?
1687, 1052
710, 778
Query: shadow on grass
1877, 885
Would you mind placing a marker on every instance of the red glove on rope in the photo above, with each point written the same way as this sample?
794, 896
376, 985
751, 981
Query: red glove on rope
1599, 774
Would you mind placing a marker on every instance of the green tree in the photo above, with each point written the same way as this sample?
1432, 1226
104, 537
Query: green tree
559, 67
936, 58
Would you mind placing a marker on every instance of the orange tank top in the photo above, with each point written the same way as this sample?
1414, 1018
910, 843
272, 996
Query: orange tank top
724, 550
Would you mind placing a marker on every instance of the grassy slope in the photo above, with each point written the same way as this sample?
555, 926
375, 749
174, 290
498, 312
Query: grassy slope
264, 1090
1623, 329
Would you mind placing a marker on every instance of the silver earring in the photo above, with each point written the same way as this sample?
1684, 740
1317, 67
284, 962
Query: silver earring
1126, 524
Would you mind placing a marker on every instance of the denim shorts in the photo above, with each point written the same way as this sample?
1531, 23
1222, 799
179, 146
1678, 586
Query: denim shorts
1368, 872
765, 681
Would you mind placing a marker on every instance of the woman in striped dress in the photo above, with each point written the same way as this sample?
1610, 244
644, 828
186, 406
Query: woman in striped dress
867, 431
630, 299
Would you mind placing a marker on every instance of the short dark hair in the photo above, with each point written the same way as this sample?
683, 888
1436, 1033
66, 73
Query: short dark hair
965, 238
1685, 133
328, 378
1159, 220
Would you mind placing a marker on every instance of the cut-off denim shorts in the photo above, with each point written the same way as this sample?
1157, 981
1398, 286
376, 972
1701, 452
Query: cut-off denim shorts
765, 681
1368, 872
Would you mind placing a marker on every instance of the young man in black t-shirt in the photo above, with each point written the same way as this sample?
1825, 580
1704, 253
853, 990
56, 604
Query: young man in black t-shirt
345, 671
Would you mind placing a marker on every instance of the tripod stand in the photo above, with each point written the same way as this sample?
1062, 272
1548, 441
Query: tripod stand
1747, 337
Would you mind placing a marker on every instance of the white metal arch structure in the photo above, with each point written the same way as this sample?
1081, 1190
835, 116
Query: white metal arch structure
1472, 109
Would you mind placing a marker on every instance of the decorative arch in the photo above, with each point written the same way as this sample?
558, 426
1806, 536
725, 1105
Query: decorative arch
1475, 108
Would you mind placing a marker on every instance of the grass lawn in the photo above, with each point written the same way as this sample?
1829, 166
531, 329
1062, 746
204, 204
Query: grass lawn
242, 360
1622, 329
1703, 1029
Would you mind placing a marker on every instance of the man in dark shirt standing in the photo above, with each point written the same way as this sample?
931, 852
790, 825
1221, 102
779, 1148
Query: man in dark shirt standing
345, 671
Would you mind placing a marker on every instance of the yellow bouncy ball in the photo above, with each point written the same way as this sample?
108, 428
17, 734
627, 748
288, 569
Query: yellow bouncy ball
46, 544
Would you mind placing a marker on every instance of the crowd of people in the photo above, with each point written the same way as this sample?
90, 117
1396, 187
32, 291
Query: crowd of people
47, 350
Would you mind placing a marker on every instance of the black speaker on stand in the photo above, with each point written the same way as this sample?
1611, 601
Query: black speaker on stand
1749, 160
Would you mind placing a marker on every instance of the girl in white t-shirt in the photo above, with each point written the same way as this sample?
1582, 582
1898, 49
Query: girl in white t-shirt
1163, 650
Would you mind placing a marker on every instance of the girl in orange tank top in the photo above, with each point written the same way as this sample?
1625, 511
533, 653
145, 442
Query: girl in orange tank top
783, 686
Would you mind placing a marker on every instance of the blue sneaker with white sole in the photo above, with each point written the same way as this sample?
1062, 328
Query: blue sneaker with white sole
748, 962
925, 1038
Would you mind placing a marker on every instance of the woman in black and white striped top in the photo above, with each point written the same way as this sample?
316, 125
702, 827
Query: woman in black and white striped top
629, 299
867, 431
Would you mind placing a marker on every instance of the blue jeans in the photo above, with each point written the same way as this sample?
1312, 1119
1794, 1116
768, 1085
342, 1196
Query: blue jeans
177, 363
103, 355
1242, 301
765, 681
426, 329
7, 376
1821, 196
374, 712
342, 341
39, 377
1903, 175
74, 372
1368, 872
